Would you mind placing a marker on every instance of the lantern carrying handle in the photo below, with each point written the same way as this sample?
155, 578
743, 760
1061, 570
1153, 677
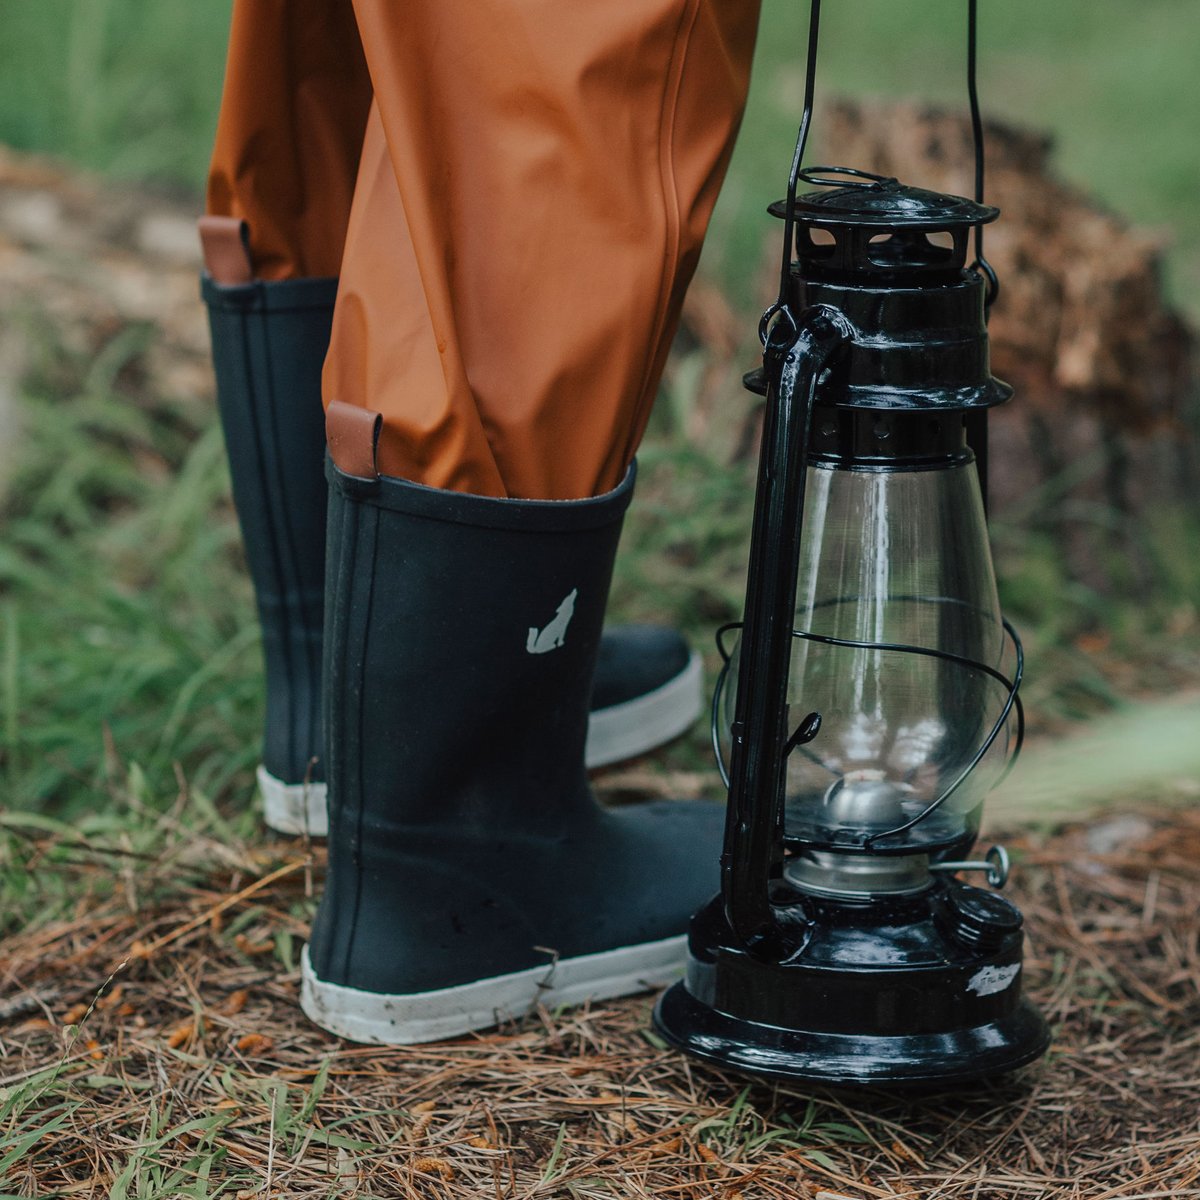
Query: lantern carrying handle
789, 217
981, 264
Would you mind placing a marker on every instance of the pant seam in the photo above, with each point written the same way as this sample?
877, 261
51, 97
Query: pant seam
670, 197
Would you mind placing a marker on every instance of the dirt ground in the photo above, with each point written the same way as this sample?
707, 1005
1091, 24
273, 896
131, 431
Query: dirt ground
181, 1061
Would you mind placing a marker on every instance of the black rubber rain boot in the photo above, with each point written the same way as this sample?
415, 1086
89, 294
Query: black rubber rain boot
471, 872
268, 345
269, 342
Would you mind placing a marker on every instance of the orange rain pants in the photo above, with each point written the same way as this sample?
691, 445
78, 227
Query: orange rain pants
514, 195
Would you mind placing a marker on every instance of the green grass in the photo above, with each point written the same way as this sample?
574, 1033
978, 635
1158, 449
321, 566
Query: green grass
131, 88
128, 640
128, 87
127, 621
130, 689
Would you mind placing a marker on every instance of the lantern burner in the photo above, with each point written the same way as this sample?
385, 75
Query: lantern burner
857, 876
865, 800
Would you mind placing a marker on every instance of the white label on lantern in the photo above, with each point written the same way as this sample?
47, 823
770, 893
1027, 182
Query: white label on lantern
989, 980
542, 641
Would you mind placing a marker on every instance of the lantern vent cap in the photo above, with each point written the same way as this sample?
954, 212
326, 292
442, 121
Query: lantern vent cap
873, 230
860, 198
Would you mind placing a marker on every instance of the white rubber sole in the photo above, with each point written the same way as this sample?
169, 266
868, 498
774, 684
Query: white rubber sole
293, 807
616, 733
406, 1020
638, 726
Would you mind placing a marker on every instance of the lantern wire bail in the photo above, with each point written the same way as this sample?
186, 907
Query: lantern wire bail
778, 328
980, 264
768, 324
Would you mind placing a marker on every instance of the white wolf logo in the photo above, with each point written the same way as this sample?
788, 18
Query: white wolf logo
550, 638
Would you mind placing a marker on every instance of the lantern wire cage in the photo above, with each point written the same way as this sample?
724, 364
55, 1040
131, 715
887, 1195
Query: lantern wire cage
809, 726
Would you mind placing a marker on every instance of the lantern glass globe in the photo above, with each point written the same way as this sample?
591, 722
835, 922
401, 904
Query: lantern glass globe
892, 557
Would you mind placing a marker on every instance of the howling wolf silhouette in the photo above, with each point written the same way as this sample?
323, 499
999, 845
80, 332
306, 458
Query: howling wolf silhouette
550, 638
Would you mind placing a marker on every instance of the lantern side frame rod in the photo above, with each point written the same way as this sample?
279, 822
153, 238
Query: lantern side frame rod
977, 422
758, 762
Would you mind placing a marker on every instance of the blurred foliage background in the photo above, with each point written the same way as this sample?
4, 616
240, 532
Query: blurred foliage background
131, 88
128, 657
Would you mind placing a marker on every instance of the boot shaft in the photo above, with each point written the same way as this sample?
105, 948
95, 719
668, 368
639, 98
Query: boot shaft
461, 639
268, 343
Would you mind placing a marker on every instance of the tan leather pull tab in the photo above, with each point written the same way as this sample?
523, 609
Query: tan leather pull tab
225, 244
353, 434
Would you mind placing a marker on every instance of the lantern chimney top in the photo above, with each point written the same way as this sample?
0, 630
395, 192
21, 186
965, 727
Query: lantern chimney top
862, 226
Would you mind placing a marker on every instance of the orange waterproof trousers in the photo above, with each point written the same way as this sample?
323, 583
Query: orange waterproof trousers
514, 195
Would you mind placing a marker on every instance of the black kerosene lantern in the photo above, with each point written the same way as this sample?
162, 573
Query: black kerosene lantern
871, 709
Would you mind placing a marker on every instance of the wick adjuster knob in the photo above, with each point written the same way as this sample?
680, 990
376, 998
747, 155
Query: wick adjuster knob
995, 863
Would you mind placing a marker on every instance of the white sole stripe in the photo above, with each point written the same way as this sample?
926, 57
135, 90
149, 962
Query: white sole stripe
638, 726
405, 1020
297, 808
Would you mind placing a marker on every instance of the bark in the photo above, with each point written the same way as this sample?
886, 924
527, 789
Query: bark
1103, 428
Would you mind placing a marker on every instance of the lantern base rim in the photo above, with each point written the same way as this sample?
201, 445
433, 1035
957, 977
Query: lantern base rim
751, 1048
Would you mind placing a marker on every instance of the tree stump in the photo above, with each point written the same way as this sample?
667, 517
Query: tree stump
1103, 429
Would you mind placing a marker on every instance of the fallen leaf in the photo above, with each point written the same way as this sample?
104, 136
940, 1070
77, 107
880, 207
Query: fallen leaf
253, 949
434, 1166
112, 997
181, 1034
235, 1002
900, 1150
254, 1044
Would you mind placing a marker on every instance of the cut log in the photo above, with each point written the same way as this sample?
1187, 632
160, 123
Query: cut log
1081, 328
1103, 427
